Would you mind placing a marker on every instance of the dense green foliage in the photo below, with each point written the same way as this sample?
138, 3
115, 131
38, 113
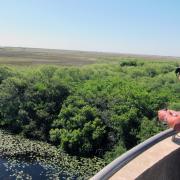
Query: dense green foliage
100, 110
29, 104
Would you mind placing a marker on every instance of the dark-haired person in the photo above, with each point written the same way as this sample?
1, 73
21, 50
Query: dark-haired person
177, 71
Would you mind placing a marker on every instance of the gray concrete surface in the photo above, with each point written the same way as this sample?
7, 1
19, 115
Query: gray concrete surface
160, 162
166, 169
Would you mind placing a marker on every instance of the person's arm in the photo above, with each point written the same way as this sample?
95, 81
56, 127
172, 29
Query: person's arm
172, 118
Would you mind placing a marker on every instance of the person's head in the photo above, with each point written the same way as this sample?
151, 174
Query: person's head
177, 70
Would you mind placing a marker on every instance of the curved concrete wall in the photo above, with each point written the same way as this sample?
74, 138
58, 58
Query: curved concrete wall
166, 169
134, 162
160, 162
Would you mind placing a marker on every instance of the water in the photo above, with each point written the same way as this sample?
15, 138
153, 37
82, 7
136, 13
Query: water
13, 169
3, 172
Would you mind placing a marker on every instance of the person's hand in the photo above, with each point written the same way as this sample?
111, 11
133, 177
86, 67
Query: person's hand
172, 118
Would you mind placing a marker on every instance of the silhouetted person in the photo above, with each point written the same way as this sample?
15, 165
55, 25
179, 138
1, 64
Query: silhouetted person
177, 71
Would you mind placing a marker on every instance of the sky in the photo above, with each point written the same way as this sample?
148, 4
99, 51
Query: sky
123, 26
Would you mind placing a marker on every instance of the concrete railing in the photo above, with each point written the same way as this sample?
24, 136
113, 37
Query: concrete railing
121, 161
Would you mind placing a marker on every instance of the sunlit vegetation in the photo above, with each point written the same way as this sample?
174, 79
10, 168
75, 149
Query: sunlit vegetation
99, 110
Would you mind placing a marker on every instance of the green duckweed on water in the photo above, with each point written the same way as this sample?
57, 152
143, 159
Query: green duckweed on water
21, 152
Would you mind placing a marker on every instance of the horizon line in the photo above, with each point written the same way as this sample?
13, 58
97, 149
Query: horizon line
94, 51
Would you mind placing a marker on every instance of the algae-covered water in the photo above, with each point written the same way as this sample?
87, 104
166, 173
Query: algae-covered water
21, 158
14, 170
21, 169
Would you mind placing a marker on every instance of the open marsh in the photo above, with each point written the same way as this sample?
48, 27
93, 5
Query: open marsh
37, 56
90, 114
